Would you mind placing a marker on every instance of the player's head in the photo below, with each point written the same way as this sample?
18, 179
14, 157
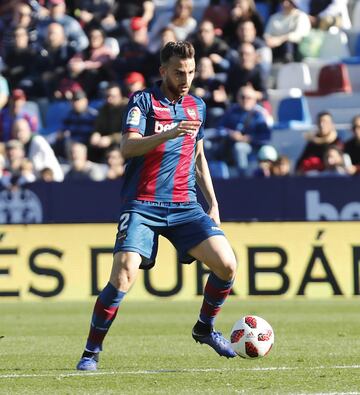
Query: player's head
177, 67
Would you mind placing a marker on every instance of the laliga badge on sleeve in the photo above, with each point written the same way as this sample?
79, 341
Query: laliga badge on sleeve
133, 117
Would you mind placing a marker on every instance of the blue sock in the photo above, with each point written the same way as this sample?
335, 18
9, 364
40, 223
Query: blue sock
105, 310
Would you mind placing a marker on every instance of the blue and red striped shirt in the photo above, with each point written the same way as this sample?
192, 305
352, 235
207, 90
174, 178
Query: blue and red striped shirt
166, 173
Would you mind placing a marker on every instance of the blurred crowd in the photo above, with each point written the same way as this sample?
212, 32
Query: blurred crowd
94, 54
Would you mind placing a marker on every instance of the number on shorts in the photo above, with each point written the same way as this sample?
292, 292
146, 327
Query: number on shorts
124, 219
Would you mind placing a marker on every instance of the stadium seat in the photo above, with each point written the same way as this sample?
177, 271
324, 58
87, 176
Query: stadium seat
357, 46
332, 78
219, 169
352, 36
293, 113
356, 16
55, 113
263, 8
293, 75
288, 142
335, 45
340, 105
354, 74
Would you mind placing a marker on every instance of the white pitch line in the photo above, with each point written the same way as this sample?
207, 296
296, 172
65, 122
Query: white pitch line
162, 371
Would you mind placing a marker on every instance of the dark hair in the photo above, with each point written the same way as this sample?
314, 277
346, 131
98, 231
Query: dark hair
113, 84
353, 121
323, 114
333, 147
180, 49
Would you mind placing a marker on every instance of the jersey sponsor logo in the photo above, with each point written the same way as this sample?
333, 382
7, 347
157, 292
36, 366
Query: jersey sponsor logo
133, 117
161, 109
191, 113
159, 127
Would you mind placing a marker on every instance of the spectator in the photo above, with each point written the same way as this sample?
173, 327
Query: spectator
37, 150
115, 162
167, 34
22, 18
352, 146
116, 16
266, 156
4, 92
74, 34
20, 60
78, 125
211, 88
245, 70
134, 82
245, 130
80, 167
326, 13
242, 9
206, 43
334, 162
15, 109
18, 169
95, 64
181, 21
108, 124
92, 13
285, 29
53, 59
135, 54
46, 175
246, 33
312, 158
282, 167
218, 12
127, 9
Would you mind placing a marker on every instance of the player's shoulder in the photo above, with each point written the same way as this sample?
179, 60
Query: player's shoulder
141, 99
197, 99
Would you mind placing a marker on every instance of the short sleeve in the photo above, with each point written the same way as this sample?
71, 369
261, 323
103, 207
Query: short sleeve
136, 113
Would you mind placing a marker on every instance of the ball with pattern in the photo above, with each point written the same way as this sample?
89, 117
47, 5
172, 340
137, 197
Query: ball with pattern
252, 337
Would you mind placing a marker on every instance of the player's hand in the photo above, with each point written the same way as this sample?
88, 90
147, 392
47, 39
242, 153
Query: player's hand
213, 213
184, 128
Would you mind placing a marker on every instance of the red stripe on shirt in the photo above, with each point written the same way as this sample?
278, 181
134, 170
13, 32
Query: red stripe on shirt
152, 163
149, 174
181, 178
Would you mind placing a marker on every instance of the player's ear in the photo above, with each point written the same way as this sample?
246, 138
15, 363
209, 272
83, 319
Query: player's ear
162, 70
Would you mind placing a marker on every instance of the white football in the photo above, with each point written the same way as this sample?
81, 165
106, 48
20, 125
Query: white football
252, 337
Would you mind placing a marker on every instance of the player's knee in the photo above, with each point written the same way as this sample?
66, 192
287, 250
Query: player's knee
229, 270
124, 271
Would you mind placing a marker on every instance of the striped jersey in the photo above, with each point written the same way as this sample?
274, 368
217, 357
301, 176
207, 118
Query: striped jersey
166, 173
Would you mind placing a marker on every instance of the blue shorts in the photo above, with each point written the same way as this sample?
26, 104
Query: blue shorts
185, 225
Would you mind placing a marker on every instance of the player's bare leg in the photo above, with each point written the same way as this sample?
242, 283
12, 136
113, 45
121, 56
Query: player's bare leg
217, 254
123, 275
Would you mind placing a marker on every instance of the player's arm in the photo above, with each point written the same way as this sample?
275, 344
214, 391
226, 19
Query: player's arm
203, 179
134, 144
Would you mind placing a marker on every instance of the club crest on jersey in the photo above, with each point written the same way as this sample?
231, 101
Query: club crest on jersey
133, 117
191, 113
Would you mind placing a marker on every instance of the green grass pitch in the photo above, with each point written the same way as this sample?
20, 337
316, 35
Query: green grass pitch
149, 349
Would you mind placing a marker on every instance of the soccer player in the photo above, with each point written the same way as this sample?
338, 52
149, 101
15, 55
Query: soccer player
163, 146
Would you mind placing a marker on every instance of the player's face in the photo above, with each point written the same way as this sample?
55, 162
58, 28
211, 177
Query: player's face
177, 76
